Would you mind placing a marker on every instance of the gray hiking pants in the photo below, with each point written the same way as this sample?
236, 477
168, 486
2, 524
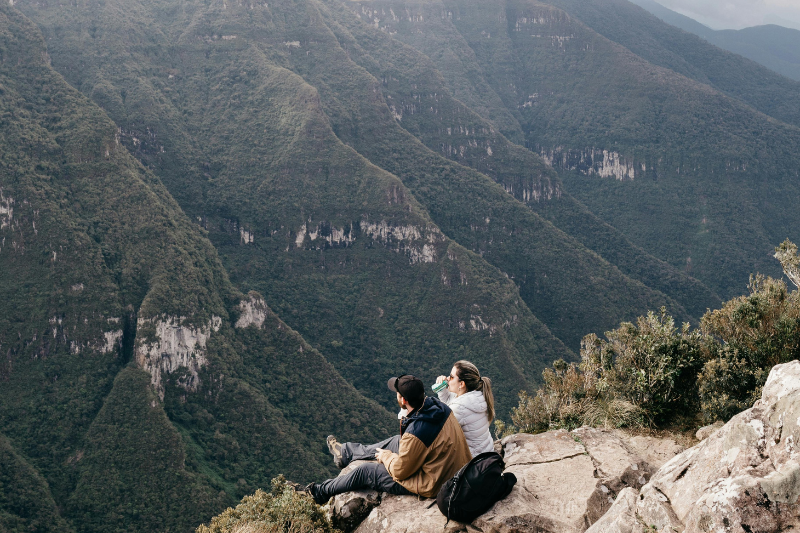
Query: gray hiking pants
352, 451
372, 475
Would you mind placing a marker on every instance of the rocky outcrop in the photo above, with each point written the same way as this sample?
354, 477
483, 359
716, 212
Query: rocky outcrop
168, 343
254, 311
744, 477
565, 482
704, 432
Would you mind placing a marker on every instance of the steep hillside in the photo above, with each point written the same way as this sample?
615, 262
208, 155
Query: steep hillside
244, 145
663, 45
586, 296
25, 500
138, 387
338, 246
773, 46
689, 174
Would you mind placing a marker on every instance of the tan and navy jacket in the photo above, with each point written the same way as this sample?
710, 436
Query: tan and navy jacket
432, 449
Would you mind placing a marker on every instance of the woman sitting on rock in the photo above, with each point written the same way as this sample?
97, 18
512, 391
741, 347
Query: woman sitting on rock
470, 397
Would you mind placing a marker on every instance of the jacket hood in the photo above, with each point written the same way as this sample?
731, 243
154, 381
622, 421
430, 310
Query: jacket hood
433, 412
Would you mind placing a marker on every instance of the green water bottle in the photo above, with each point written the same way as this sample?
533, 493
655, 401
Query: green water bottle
439, 387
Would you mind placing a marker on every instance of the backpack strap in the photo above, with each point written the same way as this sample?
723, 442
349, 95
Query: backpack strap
456, 489
510, 480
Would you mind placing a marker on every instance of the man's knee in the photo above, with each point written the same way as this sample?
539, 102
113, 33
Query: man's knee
369, 472
374, 476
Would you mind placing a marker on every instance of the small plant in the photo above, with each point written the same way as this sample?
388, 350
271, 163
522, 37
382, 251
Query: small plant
282, 510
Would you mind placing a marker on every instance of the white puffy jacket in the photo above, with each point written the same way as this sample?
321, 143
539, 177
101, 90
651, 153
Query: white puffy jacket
470, 411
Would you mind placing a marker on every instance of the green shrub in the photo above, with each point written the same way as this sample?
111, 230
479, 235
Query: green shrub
643, 374
652, 373
283, 510
744, 340
655, 366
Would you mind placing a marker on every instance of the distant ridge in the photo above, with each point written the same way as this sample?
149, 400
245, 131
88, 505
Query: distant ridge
775, 47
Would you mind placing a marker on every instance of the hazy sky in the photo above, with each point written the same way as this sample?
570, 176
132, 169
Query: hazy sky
737, 14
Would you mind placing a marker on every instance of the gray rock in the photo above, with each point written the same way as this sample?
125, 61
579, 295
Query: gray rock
616, 466
621, 517
565, 481
654, 510
655, 451
404, 514
704, 432
744, 476
348, 510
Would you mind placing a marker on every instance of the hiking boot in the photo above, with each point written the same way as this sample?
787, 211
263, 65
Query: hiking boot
335, 447
313, 490
296, 486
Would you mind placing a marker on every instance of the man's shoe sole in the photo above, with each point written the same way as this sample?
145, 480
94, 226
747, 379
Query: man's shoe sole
336, 453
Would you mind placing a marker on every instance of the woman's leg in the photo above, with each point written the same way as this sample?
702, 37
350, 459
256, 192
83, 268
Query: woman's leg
353, 451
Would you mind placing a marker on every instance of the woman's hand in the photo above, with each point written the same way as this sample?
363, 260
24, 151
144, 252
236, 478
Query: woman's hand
440, 379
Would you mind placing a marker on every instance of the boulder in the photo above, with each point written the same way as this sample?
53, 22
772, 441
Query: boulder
404, 514
704, 432
348, 510
621, 517
744, 477
654, 450
565, 482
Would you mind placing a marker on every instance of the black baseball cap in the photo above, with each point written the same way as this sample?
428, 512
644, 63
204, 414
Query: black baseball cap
410, 388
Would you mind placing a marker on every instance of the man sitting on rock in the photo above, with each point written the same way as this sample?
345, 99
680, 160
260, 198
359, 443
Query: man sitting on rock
430, 449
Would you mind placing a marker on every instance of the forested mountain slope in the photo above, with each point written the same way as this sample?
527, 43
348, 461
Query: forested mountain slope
25, 500
138, 388
204, 99
775, 47
418, 95
200, 154
700, 179
707, 62
335, 244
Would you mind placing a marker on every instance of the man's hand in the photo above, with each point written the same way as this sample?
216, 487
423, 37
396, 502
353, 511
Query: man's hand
382, 455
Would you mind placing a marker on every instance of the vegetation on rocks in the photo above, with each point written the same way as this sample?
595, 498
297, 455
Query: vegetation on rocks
282, 510
655, 374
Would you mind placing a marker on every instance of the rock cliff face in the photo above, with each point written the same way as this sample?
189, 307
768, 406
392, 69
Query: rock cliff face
174, 345
744, 477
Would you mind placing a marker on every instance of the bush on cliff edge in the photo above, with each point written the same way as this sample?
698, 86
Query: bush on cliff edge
282, 510
654, 374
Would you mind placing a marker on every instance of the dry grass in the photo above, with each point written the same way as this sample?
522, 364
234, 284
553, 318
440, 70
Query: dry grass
261, 527
681, 435
615, 413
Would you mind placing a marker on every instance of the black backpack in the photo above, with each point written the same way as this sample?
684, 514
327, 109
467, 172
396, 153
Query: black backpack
475, 488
